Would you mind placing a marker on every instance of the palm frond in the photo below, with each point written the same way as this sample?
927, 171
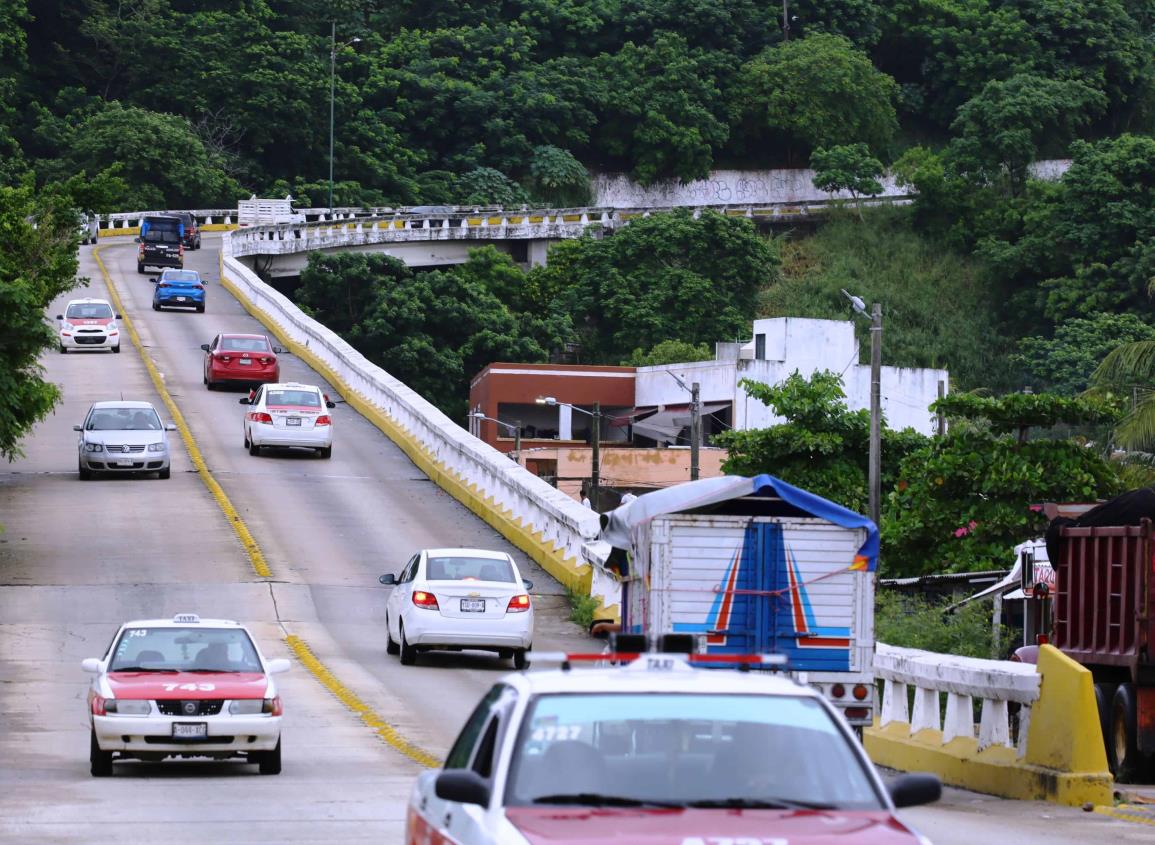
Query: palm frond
1130, 364
1137, 430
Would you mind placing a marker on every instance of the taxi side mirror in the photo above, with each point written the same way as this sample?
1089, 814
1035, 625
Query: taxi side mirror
78, 428
170, 427
463, 786
329, 403
915, 789
59, 316
91, 664
244, 400
276, 667
528, 584
205, 347
388, 579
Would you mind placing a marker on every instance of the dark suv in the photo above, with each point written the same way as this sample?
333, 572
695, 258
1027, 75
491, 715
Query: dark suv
192, 232
160, 242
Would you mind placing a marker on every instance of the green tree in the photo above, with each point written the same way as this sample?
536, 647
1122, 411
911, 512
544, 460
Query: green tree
1000, 131
915, 622
667, 276
963, 501
669, 352
1064, 363
559, 179
815, 92
822, 446
1128, 371
848, 168
486, 186
38, 244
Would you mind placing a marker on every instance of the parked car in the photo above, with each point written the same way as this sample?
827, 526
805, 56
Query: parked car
241, 359
180, 288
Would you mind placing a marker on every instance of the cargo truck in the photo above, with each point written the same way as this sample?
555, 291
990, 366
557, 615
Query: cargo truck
1102, 617
754, 565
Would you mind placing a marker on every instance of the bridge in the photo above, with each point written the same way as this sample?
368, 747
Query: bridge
78, 559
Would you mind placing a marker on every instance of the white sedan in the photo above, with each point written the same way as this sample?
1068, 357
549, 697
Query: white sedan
288, 415
184, 687
456, 599
123, 437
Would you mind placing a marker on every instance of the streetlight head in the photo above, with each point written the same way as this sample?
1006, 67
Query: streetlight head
354, 40
477, 415
545, 400
856, 302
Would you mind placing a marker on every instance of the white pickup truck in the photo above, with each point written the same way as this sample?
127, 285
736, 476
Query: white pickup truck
267, 212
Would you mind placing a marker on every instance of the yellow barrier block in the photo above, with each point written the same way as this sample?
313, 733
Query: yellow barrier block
1065, 760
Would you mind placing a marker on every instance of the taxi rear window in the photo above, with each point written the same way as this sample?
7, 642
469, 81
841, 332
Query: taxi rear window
302, 398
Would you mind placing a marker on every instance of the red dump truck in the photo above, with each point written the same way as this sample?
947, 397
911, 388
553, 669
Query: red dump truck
1102, 606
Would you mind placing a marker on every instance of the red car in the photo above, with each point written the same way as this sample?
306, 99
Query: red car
242, 359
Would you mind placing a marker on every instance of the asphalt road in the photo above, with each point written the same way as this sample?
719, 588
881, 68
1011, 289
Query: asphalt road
78, 558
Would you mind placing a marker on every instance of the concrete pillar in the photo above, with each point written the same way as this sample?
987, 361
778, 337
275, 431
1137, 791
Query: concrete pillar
565, 422
537, 252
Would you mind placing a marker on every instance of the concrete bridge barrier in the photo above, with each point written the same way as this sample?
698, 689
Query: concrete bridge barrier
1052, 749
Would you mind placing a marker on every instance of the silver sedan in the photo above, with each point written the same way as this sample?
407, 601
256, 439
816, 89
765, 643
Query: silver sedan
120, 437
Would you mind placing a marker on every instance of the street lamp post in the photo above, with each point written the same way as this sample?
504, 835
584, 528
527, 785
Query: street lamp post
874, 466
332, 98
695, 425
595, 442
515, 426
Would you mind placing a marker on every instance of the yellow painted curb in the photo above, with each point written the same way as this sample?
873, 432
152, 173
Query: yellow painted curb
252, 549
347, 697
565, 570
1138, 813
135, 230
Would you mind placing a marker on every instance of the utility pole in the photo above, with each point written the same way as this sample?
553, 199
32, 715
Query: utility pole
785, 20
596, 468
332, 97
941, 415
517, 440
876, 412
695, 431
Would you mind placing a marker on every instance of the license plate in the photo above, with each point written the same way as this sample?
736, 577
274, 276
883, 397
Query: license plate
292, 420
190, 730
125, 463
245, 361
180, 299
473, 605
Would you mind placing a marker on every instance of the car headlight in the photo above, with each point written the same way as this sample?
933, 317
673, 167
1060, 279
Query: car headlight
156, 447
93, 447
127, 708
252, 706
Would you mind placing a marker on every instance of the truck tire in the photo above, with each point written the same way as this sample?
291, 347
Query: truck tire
1122, 746
1104, 699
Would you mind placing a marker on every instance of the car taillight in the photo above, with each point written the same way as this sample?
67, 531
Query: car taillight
226, 358
140, 251
425, 600
265, 359
323, 420
261, 417
98, 705
273, 706
163, 285
857, 712
200, 287
180, 250
838, 690
518, 604
861, 691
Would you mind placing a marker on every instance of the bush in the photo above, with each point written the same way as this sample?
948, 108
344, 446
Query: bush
915, 622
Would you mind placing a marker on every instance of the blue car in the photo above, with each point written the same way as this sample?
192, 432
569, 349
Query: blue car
179, 288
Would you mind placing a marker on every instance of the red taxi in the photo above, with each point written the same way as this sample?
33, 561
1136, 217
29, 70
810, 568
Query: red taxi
659, 752
184, 687
240, 359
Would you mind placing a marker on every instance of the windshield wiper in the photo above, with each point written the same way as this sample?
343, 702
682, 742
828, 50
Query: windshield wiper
138, 669
758, 804
593, 799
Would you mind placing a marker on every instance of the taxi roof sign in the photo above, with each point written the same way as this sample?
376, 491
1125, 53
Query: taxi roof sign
657, 661
186, 618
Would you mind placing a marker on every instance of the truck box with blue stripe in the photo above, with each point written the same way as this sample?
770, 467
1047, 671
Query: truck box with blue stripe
754, 565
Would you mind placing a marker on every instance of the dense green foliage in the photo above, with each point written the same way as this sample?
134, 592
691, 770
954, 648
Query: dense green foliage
657, 88
38, 243
849, 167
914, 622
1064, 364
669, 352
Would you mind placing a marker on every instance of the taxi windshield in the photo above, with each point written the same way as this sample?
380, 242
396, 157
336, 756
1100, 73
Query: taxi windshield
686, 749
89, 311
184, 650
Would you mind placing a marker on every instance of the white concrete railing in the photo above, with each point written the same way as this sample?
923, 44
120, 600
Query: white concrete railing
564, 523
996, 683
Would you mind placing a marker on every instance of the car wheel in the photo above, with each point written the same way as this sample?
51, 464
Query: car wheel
270, 761
211, 385
84, 472
1122, 745
164, 473
116, 349
391, 646
99, 761
246, 438
155, 306
254, 449
139, 267
63, 349
519, 661
325, 452
408, 653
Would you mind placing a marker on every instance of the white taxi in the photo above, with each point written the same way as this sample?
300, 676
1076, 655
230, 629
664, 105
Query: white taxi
658, 752
88, 324
288, 415
184, 687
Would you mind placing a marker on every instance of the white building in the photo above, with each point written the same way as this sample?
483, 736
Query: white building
780, 347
